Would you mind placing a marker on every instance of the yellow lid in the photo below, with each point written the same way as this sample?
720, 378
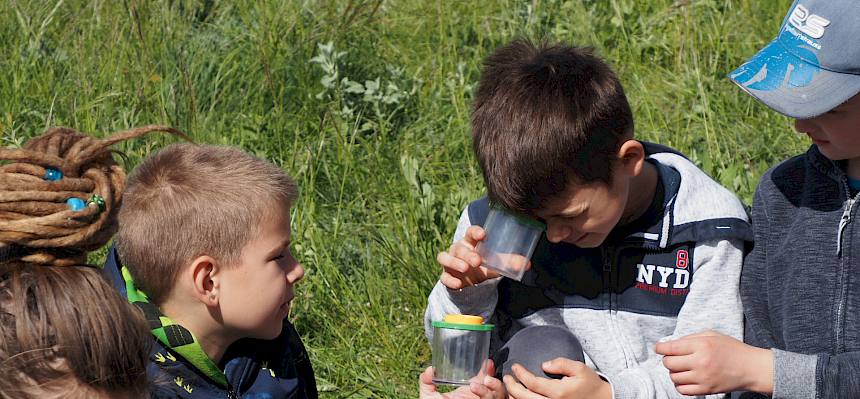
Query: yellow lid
463, 319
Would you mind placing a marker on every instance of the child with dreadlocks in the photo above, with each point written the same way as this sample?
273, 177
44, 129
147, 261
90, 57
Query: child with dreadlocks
64, 331
204, 244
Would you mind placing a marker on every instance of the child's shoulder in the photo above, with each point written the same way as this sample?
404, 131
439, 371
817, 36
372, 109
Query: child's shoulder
279, 368
799, 167
789, 183
696, 196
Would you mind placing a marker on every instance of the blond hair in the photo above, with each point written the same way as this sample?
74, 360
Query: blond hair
191, 200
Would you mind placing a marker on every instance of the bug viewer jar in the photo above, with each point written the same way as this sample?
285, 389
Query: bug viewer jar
509, 243
461, 345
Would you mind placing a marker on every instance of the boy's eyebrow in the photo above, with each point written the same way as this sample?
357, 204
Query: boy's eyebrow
279, 248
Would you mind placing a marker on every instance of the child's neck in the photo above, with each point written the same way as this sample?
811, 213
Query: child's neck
203, 324
853, 168
641, 193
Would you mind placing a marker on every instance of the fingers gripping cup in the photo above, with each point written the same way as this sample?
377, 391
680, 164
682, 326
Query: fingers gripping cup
461, 346
509, 243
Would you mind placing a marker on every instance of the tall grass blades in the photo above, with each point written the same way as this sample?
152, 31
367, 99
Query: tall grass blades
366, 103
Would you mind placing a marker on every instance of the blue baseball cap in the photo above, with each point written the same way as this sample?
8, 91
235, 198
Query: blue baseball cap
813, 65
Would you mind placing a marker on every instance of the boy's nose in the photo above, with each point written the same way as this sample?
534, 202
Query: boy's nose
556, 233
296, 274
805, 125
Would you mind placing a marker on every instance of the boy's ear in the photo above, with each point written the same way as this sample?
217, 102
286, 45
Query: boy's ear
205, 279
632, 156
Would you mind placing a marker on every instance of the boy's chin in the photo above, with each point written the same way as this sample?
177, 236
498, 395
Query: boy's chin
272, 332
834, 154
267, 332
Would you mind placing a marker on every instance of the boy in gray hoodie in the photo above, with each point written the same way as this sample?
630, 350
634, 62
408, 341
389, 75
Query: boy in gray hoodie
799, 285
640, 244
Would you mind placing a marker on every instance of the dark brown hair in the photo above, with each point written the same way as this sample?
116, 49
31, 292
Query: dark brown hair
544, 117
64, 331
191, 200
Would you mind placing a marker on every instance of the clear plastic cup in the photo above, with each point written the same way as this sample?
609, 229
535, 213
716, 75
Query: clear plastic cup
509, 242
461, 346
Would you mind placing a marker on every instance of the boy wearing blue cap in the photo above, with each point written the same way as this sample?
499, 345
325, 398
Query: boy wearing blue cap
800, 294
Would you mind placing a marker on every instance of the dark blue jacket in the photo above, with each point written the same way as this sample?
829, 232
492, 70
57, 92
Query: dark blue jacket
255, 369
800, 285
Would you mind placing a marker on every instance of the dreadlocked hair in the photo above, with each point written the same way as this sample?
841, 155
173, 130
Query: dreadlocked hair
37, 226
64, 331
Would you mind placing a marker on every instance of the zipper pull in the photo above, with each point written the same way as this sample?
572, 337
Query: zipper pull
607, 263
846, 218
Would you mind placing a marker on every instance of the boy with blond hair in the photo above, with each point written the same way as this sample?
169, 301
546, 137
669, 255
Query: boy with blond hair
204, 239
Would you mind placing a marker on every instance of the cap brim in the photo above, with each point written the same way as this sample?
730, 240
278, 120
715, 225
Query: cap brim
791, 85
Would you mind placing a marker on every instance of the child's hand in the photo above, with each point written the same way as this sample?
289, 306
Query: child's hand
579, 382
489, 388
461, 264
710, 362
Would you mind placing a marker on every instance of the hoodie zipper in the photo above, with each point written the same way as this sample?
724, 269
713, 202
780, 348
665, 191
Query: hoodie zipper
610, 256
846, 215
840, 300
607, 274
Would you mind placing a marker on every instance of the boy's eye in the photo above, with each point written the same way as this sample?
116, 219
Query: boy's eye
280, 256
571, 217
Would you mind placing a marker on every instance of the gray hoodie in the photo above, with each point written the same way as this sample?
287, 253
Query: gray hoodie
674, 277
800, 285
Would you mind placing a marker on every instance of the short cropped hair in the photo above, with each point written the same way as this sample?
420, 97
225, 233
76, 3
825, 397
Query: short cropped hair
544, 117
191, 200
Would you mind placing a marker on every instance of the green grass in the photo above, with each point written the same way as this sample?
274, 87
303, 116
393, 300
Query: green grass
367, 104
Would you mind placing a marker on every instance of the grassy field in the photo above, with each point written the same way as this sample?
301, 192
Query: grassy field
367, 104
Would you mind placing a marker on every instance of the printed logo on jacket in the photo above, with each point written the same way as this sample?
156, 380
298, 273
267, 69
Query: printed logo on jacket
666, 279
660, 281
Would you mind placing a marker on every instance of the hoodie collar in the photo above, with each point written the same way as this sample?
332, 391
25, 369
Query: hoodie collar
172, 335
828, 167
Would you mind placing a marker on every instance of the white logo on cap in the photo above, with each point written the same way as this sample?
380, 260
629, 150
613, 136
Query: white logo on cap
811, 24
